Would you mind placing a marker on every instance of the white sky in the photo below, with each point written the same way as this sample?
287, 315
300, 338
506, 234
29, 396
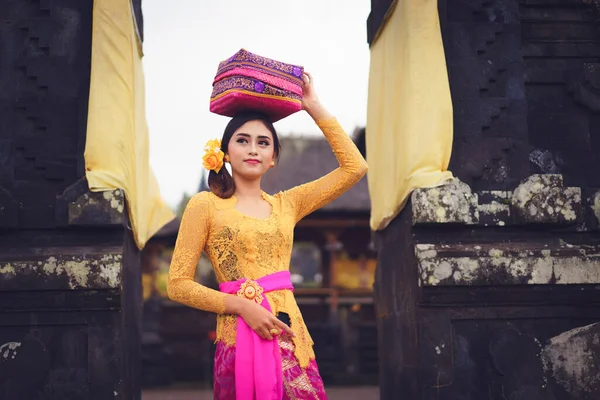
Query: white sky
186, 39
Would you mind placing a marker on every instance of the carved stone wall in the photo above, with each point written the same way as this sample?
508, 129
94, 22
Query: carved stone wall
44, 88
524, 82
482, 41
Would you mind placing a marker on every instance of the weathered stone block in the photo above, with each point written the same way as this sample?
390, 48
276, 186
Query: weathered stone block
460, 264
98, 208
572, 359
542, 199
81, 268
78, 206
452, 202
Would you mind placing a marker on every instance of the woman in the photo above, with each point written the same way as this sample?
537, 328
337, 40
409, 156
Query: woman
248, 236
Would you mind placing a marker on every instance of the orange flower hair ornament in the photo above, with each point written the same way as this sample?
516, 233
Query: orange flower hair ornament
213, 156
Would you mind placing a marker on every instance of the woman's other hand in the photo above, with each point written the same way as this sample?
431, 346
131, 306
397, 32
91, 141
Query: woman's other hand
309, 94
310, 101
258, 318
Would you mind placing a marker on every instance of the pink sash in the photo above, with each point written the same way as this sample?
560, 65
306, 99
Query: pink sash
258, 374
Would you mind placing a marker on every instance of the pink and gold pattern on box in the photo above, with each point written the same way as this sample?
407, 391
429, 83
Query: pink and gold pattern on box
249, 82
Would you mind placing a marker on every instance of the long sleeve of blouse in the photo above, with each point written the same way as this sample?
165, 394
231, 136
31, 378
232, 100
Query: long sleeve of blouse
191, 240
313, 195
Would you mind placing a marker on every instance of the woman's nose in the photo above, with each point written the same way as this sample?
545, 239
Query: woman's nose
253, 149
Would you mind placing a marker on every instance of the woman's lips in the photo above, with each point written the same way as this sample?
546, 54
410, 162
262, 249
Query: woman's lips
254, 162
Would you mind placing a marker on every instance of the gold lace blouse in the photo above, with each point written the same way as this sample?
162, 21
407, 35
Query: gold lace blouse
241, 246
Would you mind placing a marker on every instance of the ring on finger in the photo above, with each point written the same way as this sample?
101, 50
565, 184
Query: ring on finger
274, 331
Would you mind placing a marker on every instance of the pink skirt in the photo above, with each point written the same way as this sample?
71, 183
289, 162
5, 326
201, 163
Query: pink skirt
298, 383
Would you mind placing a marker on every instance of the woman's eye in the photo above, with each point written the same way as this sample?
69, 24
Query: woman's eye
263, 143
241, 140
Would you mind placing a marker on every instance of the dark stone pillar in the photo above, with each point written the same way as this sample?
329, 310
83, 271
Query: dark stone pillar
488, 287
70, 290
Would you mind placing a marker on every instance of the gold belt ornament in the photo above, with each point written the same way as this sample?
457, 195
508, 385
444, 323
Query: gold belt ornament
251, 290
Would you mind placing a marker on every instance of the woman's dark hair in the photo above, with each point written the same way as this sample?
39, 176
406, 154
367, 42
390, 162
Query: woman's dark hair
222, 184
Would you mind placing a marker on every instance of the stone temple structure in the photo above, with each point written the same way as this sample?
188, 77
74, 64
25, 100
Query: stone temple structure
489, 286
70, 291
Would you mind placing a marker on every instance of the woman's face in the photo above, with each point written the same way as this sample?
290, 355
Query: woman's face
251, 150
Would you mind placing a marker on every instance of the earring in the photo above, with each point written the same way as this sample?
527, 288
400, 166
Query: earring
272, 164
226, 158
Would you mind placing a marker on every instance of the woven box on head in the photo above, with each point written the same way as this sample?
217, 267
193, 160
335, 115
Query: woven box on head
249, 82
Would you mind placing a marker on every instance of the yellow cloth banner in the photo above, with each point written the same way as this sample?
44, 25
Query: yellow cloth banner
409, 113
116, 150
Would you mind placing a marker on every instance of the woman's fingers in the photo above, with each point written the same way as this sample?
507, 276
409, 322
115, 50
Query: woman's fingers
272, 327
307, 79
264, 333
284, 327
